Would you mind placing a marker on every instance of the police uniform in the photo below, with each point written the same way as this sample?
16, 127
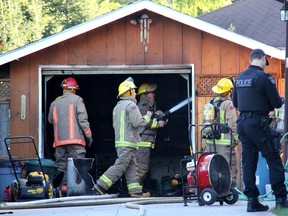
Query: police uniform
255, 95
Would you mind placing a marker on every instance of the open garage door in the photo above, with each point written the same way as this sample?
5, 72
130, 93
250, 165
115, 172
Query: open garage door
99, 88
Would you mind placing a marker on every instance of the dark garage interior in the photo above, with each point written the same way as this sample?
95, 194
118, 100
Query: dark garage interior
99, 93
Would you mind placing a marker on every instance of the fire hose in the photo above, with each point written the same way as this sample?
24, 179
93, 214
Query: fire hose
56, 202
170, 111
175, 108
133, 203
140, 204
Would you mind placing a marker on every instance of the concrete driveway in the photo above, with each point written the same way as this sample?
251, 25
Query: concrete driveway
99, 205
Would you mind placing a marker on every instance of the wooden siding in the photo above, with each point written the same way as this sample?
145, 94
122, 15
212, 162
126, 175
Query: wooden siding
155, 52
77, 50
229, 58
192, 52
118, 43
97, 46
20, 85
210, 54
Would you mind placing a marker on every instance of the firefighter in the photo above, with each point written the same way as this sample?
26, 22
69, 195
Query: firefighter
255, 95
69, 117
148, 134
126, 122
225, 114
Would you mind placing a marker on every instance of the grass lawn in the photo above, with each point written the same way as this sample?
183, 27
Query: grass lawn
280, 212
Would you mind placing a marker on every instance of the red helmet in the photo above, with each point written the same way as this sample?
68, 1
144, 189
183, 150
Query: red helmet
69, 83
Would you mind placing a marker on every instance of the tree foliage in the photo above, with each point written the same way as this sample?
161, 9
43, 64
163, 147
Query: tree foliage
195, 7
26, 21
21, 23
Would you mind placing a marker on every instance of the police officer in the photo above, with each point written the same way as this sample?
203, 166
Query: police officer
126, 122
255, 95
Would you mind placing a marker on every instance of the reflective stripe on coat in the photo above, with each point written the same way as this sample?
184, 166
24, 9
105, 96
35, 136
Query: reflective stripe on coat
70, 120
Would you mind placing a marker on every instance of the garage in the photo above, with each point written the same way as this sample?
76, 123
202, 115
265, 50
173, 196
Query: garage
103, 52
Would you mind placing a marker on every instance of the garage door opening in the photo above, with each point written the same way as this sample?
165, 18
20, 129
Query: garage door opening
99, 89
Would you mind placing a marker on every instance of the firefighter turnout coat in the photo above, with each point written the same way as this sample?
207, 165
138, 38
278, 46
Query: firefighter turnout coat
148, 136
126, 122
228, 115
70, 120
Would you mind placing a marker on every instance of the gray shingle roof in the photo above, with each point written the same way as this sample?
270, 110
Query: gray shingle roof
256, 19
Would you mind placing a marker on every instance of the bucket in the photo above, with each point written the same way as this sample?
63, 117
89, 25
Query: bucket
7, 175
79, 182
49, 167
262, 175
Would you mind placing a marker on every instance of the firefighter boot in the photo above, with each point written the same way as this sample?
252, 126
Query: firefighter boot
254, 205
141, 195
99, 189
281, 202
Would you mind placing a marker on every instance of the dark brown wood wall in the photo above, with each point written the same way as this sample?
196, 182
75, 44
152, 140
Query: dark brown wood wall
118, 43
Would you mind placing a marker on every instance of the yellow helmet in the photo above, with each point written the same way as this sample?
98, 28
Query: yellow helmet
125, 86
146, 87
223, 85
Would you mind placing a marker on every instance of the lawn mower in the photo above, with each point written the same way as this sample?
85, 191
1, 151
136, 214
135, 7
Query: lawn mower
36, 185
209, 177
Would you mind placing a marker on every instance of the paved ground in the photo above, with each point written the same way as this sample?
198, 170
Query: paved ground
80, 206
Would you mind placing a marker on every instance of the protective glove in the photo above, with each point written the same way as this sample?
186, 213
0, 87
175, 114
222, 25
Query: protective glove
158, 114
149, 113
161, 123
89, 141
